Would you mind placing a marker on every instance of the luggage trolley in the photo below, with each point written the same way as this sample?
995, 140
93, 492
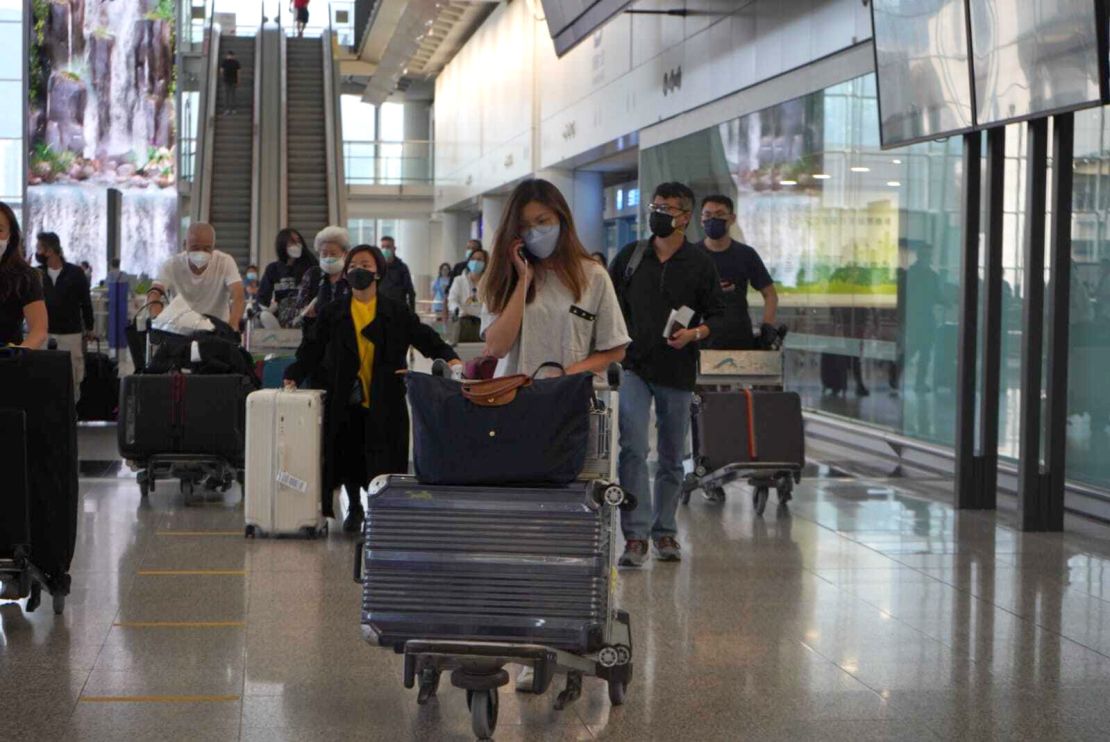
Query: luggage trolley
475, 654
740, 372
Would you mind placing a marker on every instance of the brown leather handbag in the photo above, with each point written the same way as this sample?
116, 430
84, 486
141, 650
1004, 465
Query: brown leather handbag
495, 392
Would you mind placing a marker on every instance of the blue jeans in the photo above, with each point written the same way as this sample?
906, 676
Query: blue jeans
672, 422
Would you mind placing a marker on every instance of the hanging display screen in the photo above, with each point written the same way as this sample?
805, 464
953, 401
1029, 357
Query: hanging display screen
923, 68
1036, 57
571, 21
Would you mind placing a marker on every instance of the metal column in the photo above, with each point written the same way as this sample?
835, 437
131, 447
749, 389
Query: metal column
987, 460
1059, 318
1034, 507
966, 479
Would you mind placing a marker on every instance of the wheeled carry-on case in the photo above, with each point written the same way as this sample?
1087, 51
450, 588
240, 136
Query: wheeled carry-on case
759, 434
38, 514
284, 471
188, 426
471, 578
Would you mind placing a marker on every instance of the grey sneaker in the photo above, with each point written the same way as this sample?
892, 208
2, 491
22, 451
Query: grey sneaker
635, 553
667, 549
524, 679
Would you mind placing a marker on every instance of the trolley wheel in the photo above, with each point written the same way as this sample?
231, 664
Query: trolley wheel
187, 489
429, 684
144, 487
59, 601
785, 489
250, 531
759, 498
617, 691
714, 494
35, 597
685, 497
483, 712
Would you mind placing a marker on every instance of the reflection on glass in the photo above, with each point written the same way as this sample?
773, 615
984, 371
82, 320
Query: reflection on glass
921, 54
1033, 56
863, 246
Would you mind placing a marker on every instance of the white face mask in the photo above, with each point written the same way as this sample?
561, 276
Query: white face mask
199, 258
294, 251
331, 266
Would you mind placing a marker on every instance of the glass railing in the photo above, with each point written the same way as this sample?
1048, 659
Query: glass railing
373, 162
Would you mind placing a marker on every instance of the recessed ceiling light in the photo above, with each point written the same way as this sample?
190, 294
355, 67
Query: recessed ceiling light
897, 162
821, 176
860, 169
893, 183
788, 182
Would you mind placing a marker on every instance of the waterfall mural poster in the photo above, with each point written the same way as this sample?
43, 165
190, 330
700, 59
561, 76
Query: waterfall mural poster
102, 116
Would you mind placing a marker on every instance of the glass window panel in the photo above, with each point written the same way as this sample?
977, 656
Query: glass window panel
11, 171
11, 120
11, 61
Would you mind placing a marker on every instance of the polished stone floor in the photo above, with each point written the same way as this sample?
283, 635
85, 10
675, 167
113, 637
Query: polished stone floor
868, 611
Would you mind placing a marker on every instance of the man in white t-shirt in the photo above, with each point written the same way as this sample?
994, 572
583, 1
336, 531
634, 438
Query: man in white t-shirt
206, 278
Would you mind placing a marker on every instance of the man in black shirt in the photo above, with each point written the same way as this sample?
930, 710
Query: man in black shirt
653, 278
397, 281
68, 303
738, 265
230, 68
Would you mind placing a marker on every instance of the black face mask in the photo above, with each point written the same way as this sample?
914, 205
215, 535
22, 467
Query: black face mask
41, 259
361, 279
661, 225
715, 229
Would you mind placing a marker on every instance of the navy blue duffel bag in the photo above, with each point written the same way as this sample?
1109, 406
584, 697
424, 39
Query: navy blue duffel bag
510, 430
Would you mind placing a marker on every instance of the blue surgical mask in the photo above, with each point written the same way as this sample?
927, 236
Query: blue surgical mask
252, 276
387, 252
541, 240
476, 266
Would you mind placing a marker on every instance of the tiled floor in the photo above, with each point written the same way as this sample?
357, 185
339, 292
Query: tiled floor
867, 612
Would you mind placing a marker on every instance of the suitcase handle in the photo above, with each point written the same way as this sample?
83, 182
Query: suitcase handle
360, 549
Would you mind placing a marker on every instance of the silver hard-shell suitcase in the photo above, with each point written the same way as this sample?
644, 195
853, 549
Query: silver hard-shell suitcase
523, 564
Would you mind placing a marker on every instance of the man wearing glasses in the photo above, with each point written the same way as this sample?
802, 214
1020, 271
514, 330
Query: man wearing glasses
671, 298
738, 265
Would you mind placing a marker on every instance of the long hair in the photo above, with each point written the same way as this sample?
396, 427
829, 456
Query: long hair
281, 246
565, 263
13, 266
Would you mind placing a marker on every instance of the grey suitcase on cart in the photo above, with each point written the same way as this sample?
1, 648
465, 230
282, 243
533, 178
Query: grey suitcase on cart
725, 426
505, 564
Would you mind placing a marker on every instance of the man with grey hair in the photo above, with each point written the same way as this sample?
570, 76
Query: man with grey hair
205, 277
324, 283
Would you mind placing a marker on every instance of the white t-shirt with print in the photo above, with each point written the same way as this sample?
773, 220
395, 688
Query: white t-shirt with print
208, 293
464, 297
557, 328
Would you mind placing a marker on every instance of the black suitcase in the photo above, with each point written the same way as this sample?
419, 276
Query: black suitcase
100, 388
834, 373
759, 428
40, 385
507, 564
184, 414
15, 503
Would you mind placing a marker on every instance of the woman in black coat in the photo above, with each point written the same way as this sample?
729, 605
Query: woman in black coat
366, 420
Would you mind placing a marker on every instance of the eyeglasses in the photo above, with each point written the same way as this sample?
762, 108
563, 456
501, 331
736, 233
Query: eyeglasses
665, 209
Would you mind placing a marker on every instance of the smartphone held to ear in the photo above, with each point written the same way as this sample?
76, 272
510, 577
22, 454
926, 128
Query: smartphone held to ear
526, 254
679, 319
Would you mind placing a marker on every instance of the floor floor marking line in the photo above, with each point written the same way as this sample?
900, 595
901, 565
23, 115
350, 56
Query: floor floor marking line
179, 624
159, 699
198, 533
180, 572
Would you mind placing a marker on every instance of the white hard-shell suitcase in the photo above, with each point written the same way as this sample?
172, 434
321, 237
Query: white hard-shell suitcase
284, 463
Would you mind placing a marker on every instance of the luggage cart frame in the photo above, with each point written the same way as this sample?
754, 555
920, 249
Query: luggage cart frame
736, 371
479, 667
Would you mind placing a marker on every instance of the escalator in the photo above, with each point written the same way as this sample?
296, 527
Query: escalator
306, 134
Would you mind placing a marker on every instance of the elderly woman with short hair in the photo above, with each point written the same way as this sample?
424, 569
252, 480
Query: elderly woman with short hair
324, 283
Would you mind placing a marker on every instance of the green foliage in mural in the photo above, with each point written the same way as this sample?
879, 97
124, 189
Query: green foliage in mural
40, 11
48, 163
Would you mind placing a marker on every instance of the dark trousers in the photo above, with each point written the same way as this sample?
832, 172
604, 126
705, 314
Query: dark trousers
229, 95
351, 456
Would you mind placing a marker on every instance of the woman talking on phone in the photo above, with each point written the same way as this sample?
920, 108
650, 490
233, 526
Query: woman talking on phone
544, 299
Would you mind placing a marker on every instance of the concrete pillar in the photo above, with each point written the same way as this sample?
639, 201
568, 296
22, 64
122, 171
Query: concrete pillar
492, 208
416, 167
586, 197
454, 231
413, 236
